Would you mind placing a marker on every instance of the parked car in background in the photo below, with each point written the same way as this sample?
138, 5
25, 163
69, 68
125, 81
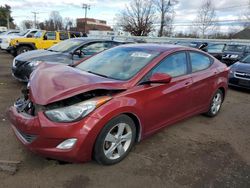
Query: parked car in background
215, 49
67, 52
41, 40
3, 29
9, 32
239, 75
120, 96
234, 53
29, 33
193, 44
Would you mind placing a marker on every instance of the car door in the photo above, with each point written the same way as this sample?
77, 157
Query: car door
203, 78
49, 39
166, 103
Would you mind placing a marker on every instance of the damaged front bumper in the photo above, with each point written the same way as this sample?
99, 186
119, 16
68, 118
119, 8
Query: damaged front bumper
42, 136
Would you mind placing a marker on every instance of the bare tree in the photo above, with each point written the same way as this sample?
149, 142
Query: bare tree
68, 23
27, 24
246, 16
165, 8
138, 17
206, 18
56, 20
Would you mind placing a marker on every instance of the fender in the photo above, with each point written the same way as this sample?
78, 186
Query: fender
32, 45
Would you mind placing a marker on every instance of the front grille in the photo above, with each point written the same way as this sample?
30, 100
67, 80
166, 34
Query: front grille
242, 75
26, 137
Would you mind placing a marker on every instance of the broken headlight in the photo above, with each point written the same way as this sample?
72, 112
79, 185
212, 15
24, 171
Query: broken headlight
77, 111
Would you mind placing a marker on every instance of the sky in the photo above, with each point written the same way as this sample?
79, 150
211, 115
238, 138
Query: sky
186, 10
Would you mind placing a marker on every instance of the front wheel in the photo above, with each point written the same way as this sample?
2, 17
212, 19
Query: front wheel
23, 49
115, 140
216, 103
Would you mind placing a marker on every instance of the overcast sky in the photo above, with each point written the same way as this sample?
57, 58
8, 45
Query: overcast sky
186, 10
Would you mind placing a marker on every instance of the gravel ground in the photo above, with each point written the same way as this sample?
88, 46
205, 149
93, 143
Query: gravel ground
198, 152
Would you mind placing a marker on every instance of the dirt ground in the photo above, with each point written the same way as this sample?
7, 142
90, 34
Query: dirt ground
198, 152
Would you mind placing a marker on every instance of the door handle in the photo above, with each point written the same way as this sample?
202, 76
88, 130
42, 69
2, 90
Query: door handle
187, 83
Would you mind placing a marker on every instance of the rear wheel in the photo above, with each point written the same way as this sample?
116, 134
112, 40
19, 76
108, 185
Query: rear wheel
216, 103
115, 140
23, 49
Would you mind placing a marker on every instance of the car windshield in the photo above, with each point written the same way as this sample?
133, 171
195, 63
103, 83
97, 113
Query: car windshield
246, 60
235, 48
120, 63
22, 33
66, 46
215, 48
38, 34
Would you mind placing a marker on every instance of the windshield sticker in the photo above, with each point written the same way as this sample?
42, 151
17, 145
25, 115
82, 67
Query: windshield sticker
141, 54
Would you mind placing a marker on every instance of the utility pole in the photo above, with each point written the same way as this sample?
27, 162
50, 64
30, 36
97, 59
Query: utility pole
86, 7
35, 13
8, 20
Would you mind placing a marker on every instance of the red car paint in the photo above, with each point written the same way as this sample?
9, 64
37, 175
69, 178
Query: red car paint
153, 105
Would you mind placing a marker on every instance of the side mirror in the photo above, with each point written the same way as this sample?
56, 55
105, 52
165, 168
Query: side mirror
160, 78
29, 36
78, 53
45, 37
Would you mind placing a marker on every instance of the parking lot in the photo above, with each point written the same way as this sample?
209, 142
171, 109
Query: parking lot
198, 152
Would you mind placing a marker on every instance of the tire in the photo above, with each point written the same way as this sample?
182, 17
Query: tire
23, 49
215, 104
115, 140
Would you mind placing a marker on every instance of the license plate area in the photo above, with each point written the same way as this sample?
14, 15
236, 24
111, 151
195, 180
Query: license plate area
244, 83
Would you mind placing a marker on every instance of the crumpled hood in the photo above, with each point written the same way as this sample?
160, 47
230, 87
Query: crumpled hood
241, 67
50, 83
44, 55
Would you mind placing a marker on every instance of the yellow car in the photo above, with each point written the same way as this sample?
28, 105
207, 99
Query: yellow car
41, 40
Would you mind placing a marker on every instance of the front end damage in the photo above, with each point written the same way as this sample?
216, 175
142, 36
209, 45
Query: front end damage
67, 141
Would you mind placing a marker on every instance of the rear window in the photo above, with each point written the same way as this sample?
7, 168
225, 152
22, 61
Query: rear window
235, 48
64, 36
199, 61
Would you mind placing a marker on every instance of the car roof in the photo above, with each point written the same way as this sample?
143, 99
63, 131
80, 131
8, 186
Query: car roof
157, 47
85, 39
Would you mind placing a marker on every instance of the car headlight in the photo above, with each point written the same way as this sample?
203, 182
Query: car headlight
14, 62
34, 63
231, 69
77, 111
234, 56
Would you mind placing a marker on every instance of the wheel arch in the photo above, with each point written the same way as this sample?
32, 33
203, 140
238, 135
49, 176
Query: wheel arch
31, 45
137, 122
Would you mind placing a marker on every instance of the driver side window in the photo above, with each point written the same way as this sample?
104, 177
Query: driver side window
173, 65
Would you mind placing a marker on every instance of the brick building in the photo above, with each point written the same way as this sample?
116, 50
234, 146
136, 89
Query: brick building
91, 24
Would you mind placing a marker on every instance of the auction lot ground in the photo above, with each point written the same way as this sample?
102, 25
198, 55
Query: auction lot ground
198, 152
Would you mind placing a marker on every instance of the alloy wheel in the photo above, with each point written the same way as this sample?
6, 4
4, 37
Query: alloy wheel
117, 141
217, 100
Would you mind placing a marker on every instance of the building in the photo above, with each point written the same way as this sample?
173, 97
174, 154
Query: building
244, 34
91, 24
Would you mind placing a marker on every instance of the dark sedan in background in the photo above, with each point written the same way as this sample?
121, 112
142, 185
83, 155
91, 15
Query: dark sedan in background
234, 53
240, 73
215, 49
67, 52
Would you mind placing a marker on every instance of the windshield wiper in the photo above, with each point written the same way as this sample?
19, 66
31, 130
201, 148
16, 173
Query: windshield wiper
105, 76
52, 50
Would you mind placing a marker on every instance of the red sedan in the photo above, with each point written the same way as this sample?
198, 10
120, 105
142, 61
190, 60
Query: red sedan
101, 107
